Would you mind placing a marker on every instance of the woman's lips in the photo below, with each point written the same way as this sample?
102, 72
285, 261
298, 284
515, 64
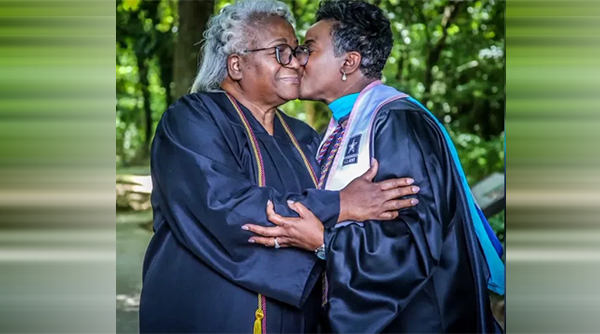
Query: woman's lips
294, 80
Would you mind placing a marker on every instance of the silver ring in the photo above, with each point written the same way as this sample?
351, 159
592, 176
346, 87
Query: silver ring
276, 243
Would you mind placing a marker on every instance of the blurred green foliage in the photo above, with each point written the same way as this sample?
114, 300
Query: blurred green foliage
497, 223
449, 55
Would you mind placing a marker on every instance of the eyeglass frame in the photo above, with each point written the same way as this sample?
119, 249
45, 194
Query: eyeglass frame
293, 54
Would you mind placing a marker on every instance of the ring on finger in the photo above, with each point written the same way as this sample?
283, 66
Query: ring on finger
276, 243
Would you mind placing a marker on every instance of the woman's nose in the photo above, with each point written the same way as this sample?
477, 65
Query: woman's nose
294, 63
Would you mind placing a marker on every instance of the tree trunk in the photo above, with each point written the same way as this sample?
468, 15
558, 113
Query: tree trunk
143, 72
400, 66
193, 16
166, 75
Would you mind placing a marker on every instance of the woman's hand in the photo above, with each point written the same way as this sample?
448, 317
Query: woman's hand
305, 232
364, 200
360, 200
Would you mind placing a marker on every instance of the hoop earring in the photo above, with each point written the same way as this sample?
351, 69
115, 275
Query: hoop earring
344, 76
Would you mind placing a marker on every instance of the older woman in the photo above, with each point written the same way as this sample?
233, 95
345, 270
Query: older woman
218, 157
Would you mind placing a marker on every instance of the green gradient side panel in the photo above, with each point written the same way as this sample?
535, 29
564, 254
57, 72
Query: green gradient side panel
553, 166
57, 218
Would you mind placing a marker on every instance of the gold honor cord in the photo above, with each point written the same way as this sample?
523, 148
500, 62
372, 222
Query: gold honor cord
260, 320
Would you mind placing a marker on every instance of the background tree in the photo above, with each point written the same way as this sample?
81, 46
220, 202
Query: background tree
447, 54
193, 16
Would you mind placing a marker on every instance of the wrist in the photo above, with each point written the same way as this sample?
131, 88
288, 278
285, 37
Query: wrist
317, 241
343, 216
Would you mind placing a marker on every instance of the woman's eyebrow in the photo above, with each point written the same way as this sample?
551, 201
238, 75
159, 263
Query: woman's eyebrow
278, 40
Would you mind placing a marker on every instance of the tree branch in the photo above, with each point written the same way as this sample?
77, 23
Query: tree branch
450, 14
423, 19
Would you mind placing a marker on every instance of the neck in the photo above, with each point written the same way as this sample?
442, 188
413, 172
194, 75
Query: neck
264, 113
350, 88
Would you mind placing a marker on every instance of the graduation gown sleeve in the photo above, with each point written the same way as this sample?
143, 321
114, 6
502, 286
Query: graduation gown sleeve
403, 275
206, 196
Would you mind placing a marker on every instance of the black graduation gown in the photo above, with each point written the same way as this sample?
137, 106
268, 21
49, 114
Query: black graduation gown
423, 272
200, 273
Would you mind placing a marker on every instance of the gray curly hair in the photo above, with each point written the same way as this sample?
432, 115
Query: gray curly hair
228, 33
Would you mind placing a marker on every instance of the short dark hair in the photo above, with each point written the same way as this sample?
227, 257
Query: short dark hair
360, 27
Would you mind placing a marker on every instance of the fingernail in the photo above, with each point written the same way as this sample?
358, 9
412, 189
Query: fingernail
251, 241
245, 228
410, 181
414, 201
415, 189
290, 202
269, 202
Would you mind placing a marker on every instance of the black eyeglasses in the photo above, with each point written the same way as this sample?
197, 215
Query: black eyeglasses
285, 52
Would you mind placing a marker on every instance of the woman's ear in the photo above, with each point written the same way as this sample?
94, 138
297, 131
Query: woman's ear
352, 62
234, 67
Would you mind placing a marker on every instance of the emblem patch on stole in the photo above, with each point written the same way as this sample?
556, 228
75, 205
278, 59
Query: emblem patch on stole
351, 154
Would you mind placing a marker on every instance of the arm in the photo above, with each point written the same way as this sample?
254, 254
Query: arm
306, 231
206, 197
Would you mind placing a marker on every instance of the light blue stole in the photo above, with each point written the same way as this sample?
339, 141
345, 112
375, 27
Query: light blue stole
354, 158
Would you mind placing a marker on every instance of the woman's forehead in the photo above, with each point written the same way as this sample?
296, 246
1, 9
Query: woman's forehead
272, 31
318, 32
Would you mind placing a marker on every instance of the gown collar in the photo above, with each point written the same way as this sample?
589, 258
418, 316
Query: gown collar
343, 106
